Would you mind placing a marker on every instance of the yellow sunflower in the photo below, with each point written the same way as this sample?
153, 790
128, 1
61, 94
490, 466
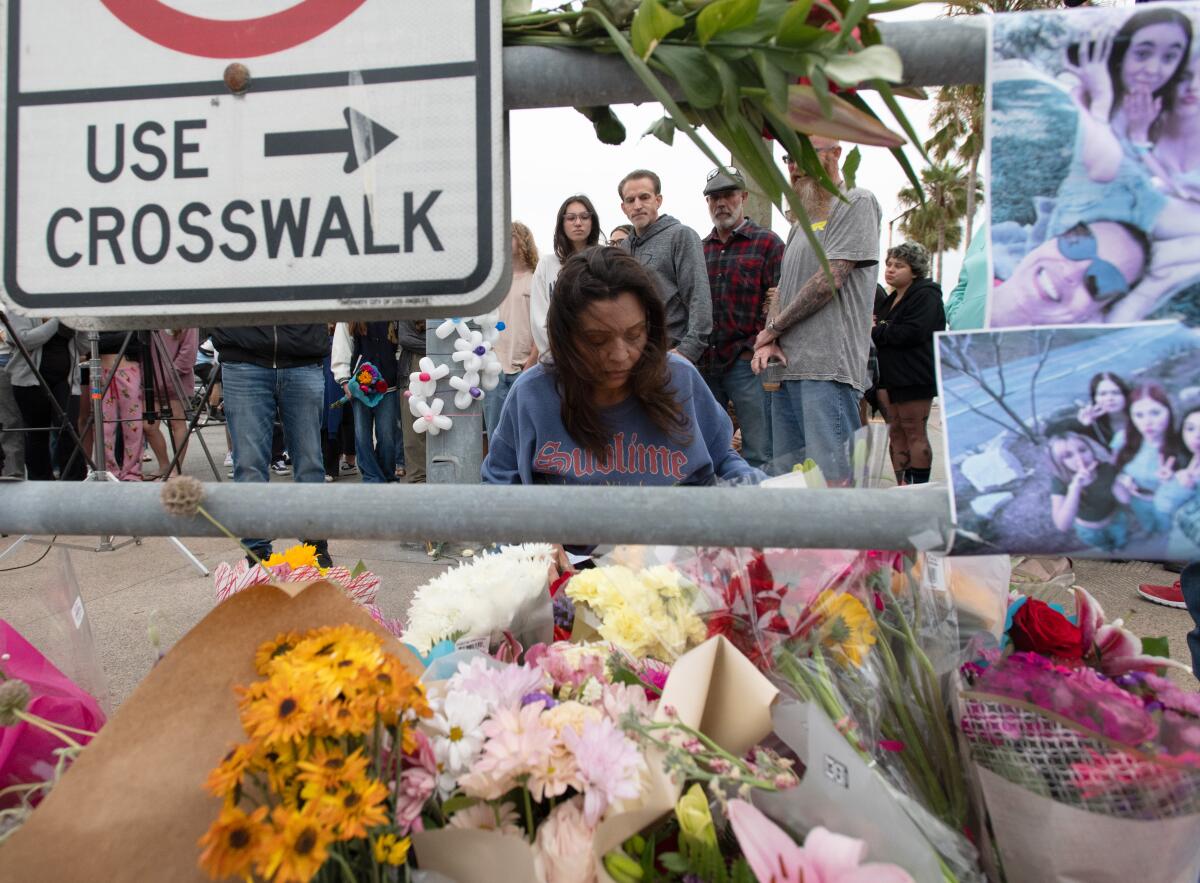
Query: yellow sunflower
233, 842
281, 764
330, 767
391, 850
269, 651
296, 556
358, 806
279, 711
225, 778
846, 626
296, 850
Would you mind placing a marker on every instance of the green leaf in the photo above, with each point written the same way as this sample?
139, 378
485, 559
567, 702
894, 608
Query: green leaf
774, 80
893, 6
358, 569
663, 129
513, 8
673, 862
651, 23
690, 68
724, 15
609, 129
821, 92
853, 16
460, 801
889, 98
873, 63
1159, 646
793, 30
850, 167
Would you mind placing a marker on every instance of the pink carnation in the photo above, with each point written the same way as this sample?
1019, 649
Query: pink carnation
610, 766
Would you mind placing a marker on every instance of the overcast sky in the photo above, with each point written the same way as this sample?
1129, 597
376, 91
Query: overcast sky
555, 153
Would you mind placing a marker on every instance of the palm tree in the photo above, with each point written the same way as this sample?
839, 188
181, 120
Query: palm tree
936, 221
957, 120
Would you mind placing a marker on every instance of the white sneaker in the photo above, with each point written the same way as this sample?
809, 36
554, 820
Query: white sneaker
229, 458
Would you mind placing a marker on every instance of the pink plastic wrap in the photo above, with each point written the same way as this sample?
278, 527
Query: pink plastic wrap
26, 752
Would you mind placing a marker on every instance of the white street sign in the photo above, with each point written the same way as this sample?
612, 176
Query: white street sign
362, 171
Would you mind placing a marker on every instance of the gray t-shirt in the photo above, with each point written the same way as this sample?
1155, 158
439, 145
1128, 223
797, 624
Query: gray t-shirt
833, 343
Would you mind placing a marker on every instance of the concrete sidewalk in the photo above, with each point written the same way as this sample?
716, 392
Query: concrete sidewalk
137, 588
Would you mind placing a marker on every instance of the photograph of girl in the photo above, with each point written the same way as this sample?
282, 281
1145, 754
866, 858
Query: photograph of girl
1095, 171
1080, 440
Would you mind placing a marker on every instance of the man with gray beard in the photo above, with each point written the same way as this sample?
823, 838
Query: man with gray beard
743, 265
821, 332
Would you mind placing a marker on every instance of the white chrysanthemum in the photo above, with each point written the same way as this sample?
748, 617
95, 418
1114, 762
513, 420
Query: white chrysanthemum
478, 598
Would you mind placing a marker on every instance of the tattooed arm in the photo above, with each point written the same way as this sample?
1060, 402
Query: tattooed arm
813, 295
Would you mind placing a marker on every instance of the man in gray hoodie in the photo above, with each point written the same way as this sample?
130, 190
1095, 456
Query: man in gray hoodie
674, 255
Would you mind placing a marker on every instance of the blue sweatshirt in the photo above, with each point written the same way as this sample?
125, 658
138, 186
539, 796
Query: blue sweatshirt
531, 445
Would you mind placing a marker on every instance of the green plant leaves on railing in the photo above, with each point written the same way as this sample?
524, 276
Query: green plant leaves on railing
872, 63
609, 129
690, 67
793, 30
651, 23
724, 15
850, 168
847, 122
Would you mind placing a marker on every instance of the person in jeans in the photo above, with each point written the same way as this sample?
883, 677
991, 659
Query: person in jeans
412, 347
743, 265
374, 426
269, 368
822, 332
12, 441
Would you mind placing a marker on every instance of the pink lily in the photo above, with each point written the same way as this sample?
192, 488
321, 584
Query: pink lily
1109, 646
825, 857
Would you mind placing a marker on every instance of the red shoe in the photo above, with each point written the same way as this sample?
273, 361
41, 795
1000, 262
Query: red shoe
1168, 596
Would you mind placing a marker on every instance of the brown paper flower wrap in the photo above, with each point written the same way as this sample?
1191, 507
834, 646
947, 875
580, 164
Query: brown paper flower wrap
713, 688
133, 806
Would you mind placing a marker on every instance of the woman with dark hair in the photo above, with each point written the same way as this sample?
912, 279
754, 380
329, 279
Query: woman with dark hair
577, 227
1145, 66
903, 336
1104, 414
1152, 449
613, 407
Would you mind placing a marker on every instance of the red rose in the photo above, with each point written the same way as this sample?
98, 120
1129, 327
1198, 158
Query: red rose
1039, 628
381, 386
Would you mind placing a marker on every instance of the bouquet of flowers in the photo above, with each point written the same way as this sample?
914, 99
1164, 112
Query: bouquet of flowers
367, 385
505, 591
314, 785
298, 564
1073, 722
574, 751
648, 613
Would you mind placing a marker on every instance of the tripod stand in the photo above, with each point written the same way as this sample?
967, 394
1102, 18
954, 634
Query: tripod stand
98, 470
160, 358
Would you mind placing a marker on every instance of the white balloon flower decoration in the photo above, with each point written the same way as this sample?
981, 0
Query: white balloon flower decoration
424, 382
470, 351
429, 416
468, 389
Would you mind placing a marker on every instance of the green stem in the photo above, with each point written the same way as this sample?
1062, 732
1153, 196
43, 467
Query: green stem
347, 871
223, 529
529, 814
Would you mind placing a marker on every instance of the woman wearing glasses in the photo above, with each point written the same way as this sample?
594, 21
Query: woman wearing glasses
575, 229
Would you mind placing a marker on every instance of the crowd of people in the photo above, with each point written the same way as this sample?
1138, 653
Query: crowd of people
636, 357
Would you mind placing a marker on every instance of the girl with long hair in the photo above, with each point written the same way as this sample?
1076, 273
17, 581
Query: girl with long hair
1085, 496
614, 408
1178, 498
1104, 414
576, 227
1151, 449
515, 347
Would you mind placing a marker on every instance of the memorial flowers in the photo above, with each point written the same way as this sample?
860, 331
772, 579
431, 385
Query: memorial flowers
316, 781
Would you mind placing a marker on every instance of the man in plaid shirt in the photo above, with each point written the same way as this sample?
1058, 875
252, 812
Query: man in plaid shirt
743, 264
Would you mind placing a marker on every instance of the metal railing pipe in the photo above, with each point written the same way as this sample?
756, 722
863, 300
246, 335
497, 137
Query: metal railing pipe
936, 52
758, 517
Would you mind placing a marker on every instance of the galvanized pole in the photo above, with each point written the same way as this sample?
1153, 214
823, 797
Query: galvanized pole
454, 456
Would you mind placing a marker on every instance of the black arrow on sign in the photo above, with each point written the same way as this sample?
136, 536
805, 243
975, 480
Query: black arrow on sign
373, 139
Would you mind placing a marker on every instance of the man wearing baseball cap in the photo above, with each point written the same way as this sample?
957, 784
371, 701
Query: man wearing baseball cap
743, 261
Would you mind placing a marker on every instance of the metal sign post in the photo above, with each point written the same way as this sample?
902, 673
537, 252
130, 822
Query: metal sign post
165, 169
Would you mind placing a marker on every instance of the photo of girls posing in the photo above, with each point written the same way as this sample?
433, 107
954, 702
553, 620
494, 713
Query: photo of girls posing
1096, 172
1126, 471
